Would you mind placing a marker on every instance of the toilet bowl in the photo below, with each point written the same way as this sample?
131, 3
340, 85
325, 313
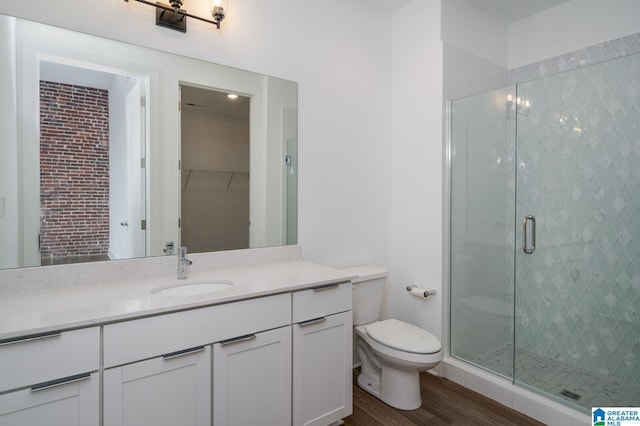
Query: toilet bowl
392, 353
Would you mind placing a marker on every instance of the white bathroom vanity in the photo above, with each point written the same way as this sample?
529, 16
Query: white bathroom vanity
107, 344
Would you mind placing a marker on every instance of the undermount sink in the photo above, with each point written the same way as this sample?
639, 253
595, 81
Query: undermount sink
192, 288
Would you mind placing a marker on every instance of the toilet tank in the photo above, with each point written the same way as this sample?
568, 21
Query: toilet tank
368, 291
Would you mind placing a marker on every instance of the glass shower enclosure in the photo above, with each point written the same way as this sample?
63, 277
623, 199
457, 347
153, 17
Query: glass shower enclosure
545, 233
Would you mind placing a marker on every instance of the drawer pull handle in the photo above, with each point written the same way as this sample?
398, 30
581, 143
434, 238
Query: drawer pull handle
238, 339
60, 382
312, 321
184, 352
30, 339
325, 287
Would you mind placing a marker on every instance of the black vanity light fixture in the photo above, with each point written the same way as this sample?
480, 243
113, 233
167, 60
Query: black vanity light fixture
171, 16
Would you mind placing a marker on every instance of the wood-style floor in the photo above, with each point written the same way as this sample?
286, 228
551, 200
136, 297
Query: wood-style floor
443, 403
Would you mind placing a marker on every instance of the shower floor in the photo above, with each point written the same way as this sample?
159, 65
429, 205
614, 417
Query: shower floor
570, 383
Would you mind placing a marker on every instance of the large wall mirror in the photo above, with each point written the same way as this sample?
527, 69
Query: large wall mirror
112, 151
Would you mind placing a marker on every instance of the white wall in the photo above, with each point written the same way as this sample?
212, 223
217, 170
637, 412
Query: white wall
475, 50
571, 26
416, 222
469, 28
342, 64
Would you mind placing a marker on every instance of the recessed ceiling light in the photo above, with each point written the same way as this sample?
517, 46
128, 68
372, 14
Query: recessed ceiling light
232, 96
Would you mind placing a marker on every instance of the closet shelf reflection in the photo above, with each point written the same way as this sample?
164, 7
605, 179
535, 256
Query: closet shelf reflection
197, 181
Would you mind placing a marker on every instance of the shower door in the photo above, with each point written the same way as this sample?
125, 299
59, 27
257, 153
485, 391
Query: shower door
577, 291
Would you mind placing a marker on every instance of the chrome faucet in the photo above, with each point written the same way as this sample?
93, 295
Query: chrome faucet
183, 263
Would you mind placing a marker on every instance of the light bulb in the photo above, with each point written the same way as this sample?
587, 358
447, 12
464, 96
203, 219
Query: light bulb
217, 5
218, 10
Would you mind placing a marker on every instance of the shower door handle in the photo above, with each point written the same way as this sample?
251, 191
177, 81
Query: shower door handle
525, 221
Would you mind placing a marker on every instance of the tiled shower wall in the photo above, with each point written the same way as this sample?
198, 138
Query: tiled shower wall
578, 296
74, 171
606, 51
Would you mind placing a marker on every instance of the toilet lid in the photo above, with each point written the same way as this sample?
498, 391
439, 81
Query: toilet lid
404, 337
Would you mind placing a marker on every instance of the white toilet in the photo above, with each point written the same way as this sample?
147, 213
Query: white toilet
392, 353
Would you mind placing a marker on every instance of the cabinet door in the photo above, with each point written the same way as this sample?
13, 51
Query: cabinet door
72, 402
322, 376
252, 380
171, 390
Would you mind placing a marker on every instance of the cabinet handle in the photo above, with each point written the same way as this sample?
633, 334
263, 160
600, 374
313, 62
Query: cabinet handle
325, 287
312, 321
238, 339
184, 352
60, 382
29, 339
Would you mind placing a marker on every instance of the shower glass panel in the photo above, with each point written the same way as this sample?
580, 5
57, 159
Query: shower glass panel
482, 143
577, 298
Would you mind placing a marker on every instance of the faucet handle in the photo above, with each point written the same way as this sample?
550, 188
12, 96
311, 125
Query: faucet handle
183, 256
183, 262
168, 248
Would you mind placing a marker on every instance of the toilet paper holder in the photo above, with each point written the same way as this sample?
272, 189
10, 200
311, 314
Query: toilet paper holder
420, 292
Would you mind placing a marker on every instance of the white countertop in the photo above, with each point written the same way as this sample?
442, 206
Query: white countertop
58, 308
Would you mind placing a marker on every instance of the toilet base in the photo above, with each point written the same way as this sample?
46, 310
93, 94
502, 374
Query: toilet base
369, 385
396, 387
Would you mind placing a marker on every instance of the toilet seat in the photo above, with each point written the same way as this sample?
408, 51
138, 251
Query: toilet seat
403, 337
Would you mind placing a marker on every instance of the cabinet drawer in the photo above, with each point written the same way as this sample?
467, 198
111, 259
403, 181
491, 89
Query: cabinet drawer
72, 404
144, 338
36, 359
321, 301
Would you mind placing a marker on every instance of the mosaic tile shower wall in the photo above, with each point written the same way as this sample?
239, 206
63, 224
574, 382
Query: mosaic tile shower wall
606, 51
578, 296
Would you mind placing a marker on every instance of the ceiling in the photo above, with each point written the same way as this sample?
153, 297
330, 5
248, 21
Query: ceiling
507, 11
69, 74
390, 4
213, 101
